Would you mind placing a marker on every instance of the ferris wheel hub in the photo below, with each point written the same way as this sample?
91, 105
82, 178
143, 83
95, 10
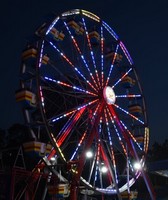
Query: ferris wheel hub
109, 95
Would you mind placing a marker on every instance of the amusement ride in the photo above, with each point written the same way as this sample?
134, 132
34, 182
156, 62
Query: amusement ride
85, 111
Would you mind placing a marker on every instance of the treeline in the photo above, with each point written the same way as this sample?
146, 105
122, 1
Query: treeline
18, 133
158, 151
15, 135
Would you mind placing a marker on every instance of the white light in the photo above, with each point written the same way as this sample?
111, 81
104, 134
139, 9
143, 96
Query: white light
53, 159
109, 95
137, 166
89, 154
104, 169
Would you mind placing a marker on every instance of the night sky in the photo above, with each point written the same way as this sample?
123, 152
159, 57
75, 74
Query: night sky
141, 25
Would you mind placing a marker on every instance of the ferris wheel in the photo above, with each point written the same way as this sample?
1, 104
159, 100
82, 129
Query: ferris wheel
86, 100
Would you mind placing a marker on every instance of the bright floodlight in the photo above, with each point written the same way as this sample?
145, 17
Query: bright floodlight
137, 166
53, 159
89, 154
104, 169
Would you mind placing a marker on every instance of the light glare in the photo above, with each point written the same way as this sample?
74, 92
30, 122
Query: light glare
137, 166
104, 169
89, 154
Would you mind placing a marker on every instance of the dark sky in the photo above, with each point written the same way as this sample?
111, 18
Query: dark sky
142, 25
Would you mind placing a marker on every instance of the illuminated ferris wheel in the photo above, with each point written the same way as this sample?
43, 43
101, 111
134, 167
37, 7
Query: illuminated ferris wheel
87, 100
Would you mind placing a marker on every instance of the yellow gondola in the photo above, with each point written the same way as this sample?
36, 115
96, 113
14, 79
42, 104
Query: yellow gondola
128, 82
110, 55
76, 27
26, 96
59, 36
135, 109
94, 37
131, 196
40, 31
37, 148
139, 139
32, 53
60, 190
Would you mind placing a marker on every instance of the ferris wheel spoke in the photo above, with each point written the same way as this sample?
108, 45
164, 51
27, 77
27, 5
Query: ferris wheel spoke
112, 175
97, 163
69, 126
122, 129
95, 113
62, 88
91, 136
132, 137
67, 78
80, 53
64, 132
123, 146
75, 88
128, 113
101, 160
112, 65
129, 96
102, 57
120, 79
68, 113
73, 66
65, 127
125, 151
78, 145
119, 136
111, 149
91, 53
63, 92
